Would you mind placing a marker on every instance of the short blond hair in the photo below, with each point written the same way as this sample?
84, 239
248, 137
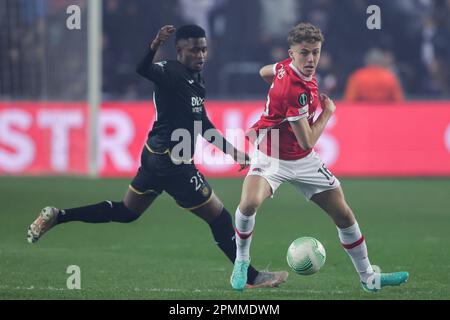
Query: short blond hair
305, 32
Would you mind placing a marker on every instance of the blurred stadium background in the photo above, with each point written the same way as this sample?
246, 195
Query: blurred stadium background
73, 108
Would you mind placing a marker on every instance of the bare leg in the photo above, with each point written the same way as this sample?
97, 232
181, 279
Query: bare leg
333, 202
254, 191
220, 222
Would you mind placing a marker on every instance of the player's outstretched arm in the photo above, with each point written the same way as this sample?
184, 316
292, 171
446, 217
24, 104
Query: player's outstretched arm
213, 136
307, 135
226, 147
267, 73
144, 67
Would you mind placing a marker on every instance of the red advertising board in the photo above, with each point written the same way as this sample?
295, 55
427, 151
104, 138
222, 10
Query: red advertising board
410, 139
43, 138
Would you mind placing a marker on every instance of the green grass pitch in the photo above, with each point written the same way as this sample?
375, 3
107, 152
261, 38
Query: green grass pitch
170, 254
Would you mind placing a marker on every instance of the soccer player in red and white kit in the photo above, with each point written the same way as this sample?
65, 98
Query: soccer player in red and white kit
291, 105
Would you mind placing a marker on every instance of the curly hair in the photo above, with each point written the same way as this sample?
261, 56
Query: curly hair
305, 32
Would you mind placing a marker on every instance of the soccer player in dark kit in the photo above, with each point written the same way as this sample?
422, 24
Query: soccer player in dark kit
179, 101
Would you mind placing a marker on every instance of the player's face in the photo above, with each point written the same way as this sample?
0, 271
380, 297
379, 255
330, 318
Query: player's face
306, 56
192, 53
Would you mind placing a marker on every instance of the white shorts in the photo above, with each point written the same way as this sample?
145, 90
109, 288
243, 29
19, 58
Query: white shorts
309, 175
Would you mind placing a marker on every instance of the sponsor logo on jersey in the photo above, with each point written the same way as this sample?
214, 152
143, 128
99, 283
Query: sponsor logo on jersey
197, 101
303, 110
303, 99
197, 109
197, 104
281, 72
191, 81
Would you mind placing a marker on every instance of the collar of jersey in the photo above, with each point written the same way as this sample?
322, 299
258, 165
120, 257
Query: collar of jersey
299, 73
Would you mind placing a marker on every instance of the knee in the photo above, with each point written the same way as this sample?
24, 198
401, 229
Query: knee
249, 206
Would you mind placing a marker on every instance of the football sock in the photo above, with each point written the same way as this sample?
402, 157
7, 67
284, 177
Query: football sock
244, 232
354, 244
223, 232
105, 211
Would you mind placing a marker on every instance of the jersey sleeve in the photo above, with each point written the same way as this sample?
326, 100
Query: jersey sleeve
206, 122
156, 72
280, 65
297, 105
275, 68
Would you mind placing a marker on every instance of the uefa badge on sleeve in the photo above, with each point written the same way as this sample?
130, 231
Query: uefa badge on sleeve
303, 99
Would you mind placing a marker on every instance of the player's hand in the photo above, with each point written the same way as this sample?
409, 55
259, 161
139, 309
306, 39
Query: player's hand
163, 34
243, 159
326, 103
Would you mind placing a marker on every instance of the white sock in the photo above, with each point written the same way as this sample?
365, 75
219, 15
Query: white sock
244, 231
354, 244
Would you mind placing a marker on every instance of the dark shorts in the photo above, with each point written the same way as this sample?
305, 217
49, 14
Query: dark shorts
183, 182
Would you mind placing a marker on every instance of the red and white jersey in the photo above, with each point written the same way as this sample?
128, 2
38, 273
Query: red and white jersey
291, 97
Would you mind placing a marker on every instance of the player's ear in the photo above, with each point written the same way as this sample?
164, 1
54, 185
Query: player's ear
178, 48
291, 54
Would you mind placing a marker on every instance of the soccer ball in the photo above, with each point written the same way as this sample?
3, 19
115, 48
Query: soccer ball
306, 255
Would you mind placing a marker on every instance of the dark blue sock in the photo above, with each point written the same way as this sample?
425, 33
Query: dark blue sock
105, 211
223, 232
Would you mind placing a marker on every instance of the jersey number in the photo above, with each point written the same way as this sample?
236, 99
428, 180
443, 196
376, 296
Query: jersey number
323, 170
197, 181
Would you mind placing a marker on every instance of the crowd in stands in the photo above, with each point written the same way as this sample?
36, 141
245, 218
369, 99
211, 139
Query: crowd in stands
412, 47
